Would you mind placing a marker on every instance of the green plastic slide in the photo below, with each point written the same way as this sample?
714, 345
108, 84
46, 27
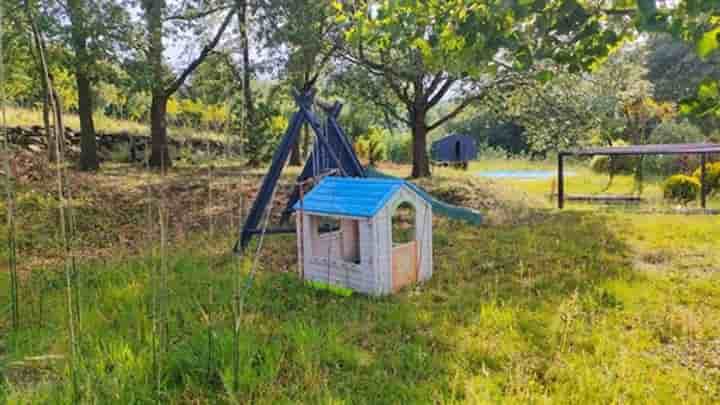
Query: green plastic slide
442, 208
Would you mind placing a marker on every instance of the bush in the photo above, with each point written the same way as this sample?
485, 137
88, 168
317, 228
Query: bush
676, 132
668, 164
673, 132
372, 146
621, 164
399, 148
681, 188
712, 176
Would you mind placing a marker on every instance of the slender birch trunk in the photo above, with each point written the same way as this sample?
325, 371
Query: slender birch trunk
10, 196
55, 108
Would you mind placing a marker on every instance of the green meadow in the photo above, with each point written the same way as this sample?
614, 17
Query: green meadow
592, 304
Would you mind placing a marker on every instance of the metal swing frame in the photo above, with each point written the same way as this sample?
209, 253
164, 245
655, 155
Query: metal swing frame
332, 151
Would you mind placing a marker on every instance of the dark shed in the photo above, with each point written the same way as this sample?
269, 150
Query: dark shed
454, 148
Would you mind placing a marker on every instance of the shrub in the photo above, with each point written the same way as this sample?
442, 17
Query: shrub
712, 176
681, 188
676, 132
372, 146
399, 148
621, 164
673, 132
668, 164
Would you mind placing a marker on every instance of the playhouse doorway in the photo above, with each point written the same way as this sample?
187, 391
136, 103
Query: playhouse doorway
458, 151
404, 251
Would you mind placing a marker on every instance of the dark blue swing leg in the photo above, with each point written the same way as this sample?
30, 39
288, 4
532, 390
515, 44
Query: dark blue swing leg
333, 151
269, 182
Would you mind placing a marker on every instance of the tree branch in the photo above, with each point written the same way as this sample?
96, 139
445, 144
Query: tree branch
441, 92
378, 69
203, 54
437, 79
321, 65
466, 102
196, 15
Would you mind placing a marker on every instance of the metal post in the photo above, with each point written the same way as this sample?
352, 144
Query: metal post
561, 185
703, 191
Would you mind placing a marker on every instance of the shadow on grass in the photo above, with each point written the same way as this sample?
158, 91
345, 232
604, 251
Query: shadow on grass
494, 307
496, 303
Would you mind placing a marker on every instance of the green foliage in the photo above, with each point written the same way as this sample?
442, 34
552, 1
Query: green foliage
677, 131
712, 176
697, 23
421, 51
673, 131
602, 164
614, 101
681, 188
619, 164
481, 122
262, 136
372, 146
399, 148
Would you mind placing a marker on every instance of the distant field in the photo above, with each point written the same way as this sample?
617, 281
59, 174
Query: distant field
579, 179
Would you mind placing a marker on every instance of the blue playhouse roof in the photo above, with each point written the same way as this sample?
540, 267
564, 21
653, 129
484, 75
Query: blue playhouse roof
355, 197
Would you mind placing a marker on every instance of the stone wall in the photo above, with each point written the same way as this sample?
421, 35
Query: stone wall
131, 147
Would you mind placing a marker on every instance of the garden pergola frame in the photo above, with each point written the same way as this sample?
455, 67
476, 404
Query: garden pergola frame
702, 149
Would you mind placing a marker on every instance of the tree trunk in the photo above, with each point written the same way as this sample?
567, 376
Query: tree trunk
242, 7
88, 144
421, 164
159, 155
248, 103
159, 158
48, 89
296, 155
49, 138
57, 109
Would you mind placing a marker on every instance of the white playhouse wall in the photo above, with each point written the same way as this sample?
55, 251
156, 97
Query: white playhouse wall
373, 275
317, 266
423, 232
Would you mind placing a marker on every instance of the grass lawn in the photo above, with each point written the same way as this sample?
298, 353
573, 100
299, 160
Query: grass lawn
581, 306
579, 179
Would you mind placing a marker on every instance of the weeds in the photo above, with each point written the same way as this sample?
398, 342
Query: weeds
552, 311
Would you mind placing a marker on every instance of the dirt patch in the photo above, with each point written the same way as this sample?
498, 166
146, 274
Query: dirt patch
697, 355
500, 205
655, 258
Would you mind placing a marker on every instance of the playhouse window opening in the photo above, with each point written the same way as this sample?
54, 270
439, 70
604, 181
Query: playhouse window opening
340, 238
351, 241
328, 225
403, 224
